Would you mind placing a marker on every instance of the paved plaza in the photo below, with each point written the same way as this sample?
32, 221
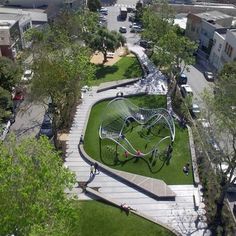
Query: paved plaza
179, 213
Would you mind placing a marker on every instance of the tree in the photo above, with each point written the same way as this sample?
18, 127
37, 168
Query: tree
10, 73
173, 54
106, 41
221, 114
60, 77
94, 5
157, 19
6, 104
32, 197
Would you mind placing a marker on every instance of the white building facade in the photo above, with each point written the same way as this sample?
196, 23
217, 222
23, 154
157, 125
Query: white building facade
224, 48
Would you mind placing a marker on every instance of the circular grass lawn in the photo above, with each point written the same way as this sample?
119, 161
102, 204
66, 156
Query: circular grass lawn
155, 165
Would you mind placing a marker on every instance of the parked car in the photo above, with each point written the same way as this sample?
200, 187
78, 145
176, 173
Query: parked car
46, 127
182, 79
210, 135
136, 29
123, 29
209, 76
103, 11
186, 90
195, 110
130, 9
145, 44
132, 18
27, 76
102, 18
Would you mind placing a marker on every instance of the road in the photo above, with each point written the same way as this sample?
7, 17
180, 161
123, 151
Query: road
28, 120
198, 83
114, 23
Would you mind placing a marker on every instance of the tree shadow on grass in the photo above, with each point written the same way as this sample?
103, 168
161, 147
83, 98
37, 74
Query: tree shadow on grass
152, 101
102, 71
133, 70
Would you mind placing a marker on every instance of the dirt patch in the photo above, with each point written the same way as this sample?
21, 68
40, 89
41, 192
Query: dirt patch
97, 58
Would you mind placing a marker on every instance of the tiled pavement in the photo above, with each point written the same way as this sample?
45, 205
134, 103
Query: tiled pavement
179, 213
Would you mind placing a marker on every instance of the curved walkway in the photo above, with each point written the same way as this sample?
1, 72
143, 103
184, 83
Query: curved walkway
179, 213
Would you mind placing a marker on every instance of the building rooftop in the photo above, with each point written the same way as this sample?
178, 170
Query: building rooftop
36, 16
212, 15
8, 20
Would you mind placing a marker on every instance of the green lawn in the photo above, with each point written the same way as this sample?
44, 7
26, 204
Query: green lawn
100, 219
125, 68
156, 168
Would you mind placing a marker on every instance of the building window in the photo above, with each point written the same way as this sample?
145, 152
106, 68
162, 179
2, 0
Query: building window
228, 49
2, 38
219, 48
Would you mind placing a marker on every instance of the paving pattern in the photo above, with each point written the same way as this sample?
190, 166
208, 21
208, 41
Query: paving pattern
179, 213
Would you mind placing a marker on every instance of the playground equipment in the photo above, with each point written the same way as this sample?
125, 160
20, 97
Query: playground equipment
120, 113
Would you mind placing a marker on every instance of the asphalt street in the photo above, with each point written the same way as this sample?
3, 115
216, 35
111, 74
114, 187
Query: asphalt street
113, 23
28, 120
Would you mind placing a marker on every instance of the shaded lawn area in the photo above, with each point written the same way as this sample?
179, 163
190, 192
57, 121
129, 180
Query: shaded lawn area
100, 219
171, 174
125, 68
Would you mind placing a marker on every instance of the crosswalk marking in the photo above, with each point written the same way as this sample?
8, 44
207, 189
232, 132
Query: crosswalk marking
124, 5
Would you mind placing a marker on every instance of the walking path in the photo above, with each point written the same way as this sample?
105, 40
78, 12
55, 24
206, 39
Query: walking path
178, 213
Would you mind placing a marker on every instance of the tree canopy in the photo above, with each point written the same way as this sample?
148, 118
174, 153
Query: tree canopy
10, 73
32, 197
106, 41
94, 5
221, 114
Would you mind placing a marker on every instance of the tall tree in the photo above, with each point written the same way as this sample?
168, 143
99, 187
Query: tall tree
157, 19
6, 104
10, 73
221, 112
59, 76
94, 5
106, 41
174, 51
32, 197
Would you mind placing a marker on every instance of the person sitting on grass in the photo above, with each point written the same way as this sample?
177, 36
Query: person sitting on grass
186, 169
126, 208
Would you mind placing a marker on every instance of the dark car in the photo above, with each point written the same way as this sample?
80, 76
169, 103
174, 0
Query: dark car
46, 128
145, 44
209, 76
182, 79
123, 29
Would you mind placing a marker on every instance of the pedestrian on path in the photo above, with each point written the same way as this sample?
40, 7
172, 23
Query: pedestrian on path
96, 168
92, 170
81, 140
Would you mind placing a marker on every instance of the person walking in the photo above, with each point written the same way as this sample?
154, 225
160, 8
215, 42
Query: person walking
96, 168
126, 154
92, 170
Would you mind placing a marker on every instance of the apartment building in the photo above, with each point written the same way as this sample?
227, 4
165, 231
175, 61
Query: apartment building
224, 48
12, 29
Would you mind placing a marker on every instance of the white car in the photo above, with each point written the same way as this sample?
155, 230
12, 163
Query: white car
28, 75
186, 90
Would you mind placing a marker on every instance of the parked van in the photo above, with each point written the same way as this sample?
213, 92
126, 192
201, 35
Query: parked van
186, 90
